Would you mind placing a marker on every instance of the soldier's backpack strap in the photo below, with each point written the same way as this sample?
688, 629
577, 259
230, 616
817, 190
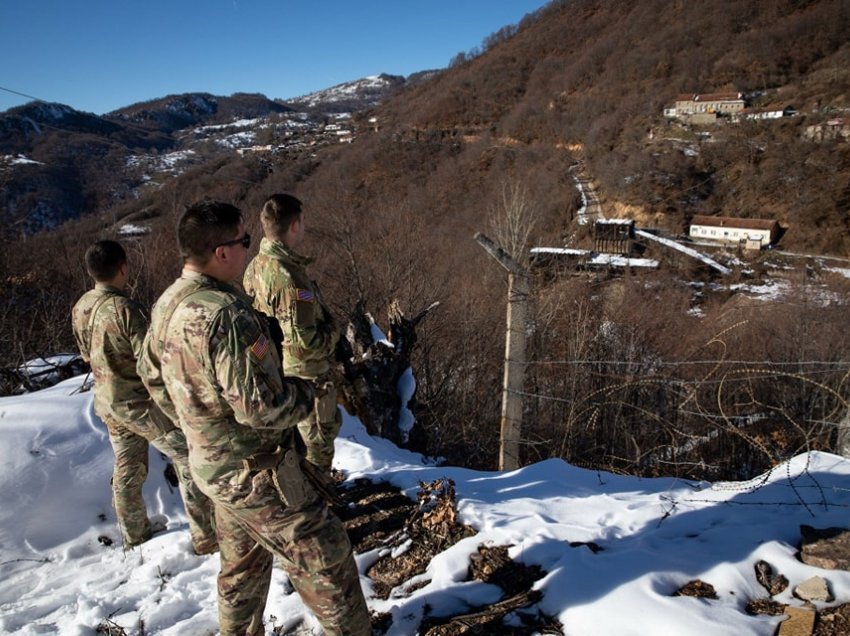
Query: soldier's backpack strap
90, 326
159, 336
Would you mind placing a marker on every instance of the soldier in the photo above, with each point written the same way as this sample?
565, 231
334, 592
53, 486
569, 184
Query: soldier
208, 358
109, 329
278, 282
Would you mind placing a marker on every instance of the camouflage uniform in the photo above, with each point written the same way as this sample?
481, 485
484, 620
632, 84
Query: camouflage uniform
277, 280
109, 328
209, 359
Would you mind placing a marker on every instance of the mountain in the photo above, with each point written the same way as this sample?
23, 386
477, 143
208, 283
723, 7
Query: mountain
176, 112
22, 123
596, 76
358, 95
646, 372
57, 163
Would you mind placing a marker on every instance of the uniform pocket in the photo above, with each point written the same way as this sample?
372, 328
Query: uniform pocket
324, 549
262, 490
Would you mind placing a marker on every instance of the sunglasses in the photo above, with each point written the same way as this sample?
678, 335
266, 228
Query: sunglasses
245, 240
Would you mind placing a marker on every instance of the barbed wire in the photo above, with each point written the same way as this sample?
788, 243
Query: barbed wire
841, 364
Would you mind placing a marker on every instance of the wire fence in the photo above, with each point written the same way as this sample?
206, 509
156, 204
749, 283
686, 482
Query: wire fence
707, 418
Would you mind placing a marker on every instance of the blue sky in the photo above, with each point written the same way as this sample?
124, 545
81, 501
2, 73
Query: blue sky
98, 56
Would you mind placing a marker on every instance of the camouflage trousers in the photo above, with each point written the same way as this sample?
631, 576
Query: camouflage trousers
128, 477
199, 507
320, 429
310, 544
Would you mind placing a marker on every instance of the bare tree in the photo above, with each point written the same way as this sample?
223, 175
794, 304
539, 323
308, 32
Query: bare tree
512, 221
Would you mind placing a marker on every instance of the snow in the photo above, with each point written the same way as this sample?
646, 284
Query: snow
685, 250
406, 388
237, 123
129, 229
771, 290
655, 535
840, 270
238, 140
20, 160
340, 92
621, 261
566, 251
582, 211
167, 162
595, 258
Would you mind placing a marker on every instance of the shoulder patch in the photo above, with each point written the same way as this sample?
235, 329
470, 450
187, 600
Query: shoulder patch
260, 348
304, 295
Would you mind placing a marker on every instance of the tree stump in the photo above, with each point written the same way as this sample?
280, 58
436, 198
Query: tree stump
373, 366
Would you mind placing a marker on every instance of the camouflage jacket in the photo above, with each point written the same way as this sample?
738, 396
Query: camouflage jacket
277, 281
209, 360
109, 328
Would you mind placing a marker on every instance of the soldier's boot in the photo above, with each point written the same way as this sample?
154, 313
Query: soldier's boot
159, 523
156, 525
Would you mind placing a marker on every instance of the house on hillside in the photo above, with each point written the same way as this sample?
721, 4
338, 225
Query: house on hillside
836, 128
749, 233
764, 113
699, 108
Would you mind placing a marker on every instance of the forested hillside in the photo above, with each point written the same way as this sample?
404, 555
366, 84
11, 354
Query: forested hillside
674, 371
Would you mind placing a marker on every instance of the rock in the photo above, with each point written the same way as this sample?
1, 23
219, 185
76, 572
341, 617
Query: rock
815, 589
800, 622
827, 548
698, 589
773, 583
765, 606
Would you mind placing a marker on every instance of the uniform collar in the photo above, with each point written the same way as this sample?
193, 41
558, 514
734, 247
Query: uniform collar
208, 281
277, 249
110, 289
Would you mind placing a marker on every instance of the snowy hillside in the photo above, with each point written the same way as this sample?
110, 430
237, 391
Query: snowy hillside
359, 94
612, 551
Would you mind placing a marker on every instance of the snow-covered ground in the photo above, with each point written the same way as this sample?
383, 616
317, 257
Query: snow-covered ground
18, 159
340, 92
593, 258
655, 535
685, 250
171, 162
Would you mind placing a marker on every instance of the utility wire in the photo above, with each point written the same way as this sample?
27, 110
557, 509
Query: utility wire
123, 123
14, 92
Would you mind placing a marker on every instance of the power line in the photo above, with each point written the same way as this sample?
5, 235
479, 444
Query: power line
123, 123
14, 92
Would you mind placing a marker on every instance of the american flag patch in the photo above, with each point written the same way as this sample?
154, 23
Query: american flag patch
261, 347
304, 295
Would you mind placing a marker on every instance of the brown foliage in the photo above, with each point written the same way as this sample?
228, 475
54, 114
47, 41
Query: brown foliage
622, 375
